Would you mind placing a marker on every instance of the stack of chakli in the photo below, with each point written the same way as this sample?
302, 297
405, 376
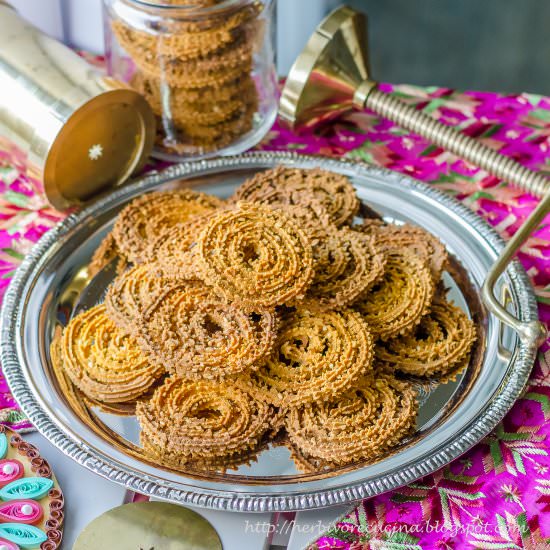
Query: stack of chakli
196, 71
277, 316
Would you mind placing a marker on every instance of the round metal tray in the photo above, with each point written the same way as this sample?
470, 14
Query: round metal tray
52, 281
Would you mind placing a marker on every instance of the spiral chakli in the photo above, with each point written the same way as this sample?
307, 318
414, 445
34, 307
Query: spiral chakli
132, 292
147, 216
399, 300
226, 65
184, 40
376, 414
287, 186
347, 265
105, 253
210, 105
195, 335
427, 246
441, 342
181, 99
318, 355
255, 256
203, 421
103, 362
238, 122
174, 248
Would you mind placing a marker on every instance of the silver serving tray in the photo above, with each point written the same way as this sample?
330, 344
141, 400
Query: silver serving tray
52, 281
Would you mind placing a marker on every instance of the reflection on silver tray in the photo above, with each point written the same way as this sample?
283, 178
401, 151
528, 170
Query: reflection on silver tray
452, 418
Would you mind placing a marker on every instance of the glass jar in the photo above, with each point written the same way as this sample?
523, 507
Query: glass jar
205, 66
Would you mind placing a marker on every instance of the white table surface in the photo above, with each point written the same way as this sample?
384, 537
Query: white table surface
88, 495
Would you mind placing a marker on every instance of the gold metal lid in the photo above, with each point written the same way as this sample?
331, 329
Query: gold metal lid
324, 78
149, 525
78, 131
100, 146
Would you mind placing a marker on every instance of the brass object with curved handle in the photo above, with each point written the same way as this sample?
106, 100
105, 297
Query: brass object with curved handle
533, 331
332, 76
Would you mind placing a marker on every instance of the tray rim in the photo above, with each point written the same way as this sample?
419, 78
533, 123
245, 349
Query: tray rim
495, 408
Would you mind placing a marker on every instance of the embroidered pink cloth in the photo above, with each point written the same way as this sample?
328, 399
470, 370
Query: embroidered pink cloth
498, 494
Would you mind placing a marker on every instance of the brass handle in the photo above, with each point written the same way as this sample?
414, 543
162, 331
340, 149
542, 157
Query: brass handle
463, 146
472, 150
532, 331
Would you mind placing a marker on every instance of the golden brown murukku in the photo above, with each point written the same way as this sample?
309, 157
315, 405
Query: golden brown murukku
239, 123
300, 187
440, 343
180, 237
193, 138
147, 216
231, 110
132, 292
196, 336
185, 40
317, 355
78, 401
68, 389
347, 264
187, 422
424, 244
186, 106
255, 256
105, 253
374, 415
312, 218
225, 65
398, 301
180, 98
103, 362
173, 248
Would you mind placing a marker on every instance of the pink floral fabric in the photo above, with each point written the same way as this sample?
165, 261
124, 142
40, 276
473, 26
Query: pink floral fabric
497, 496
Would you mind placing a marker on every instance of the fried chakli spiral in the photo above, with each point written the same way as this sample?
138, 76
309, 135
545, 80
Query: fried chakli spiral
132, 292
202, 107
397, 303
173, 247
347, 264
318, 355
255, 256
187, 422
196, 336
180, 98
377, 413
424, 244
105, 253
103, 362
147, 216
288, 186
439, 344
226, 65
182, 40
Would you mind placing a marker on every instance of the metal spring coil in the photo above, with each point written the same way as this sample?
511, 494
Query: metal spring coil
472, 150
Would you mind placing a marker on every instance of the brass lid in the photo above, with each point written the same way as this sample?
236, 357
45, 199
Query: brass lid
100, 145
325, 76
149, 525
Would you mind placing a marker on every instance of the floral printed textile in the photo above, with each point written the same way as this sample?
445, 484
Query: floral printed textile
496, 496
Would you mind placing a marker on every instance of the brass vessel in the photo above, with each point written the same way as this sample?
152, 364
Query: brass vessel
76, 130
